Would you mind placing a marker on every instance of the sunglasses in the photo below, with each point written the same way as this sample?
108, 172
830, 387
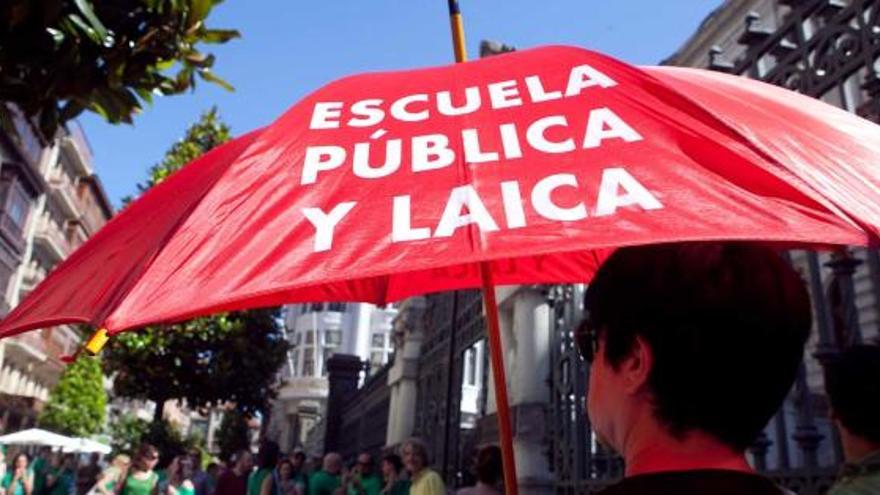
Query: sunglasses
586, 338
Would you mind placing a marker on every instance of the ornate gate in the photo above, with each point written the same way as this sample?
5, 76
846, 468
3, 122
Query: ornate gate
827, 49
453, 324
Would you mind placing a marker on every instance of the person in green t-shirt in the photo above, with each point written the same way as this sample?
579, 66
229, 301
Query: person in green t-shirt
363, 479
62, 479
328, 479
40, 468
180, 476
141, 479
112, 478
18, 480
260, 481
395, 483
299, 476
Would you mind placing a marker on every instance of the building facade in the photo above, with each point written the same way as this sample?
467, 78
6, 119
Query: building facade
51, 201
317, 332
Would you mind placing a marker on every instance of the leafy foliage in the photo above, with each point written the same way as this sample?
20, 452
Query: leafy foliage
126, 433
77, 404
206, 134
168, 439
233, 434
206, 361
226, 358
61, 57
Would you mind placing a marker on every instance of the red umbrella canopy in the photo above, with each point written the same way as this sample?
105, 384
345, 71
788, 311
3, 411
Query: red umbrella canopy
381, 186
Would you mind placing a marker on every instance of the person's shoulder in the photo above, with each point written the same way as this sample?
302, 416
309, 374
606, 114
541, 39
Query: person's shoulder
868, 483
720, 482
432, 478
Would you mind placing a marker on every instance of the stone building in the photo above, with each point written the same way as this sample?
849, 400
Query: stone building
51, 201
317, 332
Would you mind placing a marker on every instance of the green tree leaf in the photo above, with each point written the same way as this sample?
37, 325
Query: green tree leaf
53, 52
209, 76
85, 7
77, 404
219, 35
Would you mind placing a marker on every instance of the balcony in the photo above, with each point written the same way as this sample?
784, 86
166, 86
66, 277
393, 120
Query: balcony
76, 235
63, 340
32, 276
51, 241
61, 191
26, 348
76, 150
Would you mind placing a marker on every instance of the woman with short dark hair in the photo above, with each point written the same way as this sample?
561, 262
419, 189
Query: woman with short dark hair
395, 484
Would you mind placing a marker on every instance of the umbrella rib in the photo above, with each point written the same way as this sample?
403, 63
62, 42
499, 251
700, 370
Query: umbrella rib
162, 245
804, 187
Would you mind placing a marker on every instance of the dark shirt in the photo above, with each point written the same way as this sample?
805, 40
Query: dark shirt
231, 484
702, 482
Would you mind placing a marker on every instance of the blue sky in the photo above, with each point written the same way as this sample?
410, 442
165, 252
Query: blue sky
291, 47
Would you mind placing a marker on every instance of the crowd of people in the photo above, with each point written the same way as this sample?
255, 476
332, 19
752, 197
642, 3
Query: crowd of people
272, 473
269, 472
49, 473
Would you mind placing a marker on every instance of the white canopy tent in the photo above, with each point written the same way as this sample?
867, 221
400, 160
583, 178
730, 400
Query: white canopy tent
87, 446
36, 436
43, 438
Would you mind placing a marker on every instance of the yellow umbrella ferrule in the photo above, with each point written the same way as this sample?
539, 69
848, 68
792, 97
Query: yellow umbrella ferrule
97, 341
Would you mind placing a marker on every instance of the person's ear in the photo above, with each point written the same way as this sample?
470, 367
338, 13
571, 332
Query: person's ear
636, 367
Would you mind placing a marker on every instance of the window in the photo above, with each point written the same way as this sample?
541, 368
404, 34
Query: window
332, 337
17, 207
328, 353
308, 362
471, 366
377, 358
294, 362
5, 276
15, 204
338, 307
308, 367
378, 340
297, 339
310, 337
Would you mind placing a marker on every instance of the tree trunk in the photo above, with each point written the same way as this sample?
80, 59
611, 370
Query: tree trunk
265, 417
157, 414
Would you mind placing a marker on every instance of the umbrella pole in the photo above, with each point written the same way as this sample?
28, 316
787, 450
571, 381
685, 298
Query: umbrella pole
498, 375
495, 350
457, 26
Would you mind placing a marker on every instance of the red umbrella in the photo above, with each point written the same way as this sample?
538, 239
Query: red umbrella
522, 168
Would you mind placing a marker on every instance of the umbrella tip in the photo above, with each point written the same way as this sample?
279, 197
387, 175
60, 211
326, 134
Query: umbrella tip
97, 341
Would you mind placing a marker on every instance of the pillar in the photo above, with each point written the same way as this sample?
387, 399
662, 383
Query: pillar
403, 375
525, 329
343, 372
